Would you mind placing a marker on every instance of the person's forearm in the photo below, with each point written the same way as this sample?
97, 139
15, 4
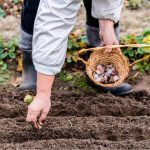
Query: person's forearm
107, 34
44, 85
105, 23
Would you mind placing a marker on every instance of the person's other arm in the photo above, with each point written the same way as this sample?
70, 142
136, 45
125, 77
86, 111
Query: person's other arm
107, 12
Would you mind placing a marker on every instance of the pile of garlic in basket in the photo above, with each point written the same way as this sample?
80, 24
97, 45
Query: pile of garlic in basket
106, 74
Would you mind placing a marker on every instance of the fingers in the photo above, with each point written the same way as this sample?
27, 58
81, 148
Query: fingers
102, 44
114, 43
117, 43
106, 40
32, 118
42, 117
108, 50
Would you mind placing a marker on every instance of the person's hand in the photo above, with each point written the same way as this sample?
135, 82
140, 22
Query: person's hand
107, 34
38, 110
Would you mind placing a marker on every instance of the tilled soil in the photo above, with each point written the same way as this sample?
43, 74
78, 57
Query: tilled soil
77, 121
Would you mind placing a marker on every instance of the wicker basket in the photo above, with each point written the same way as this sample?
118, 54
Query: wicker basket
119, 61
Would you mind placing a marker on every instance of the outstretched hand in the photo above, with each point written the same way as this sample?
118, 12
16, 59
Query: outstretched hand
107, 35
38, 110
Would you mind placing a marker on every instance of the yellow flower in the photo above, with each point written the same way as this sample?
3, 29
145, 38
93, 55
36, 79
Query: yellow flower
147, 49
82, 45
132, 36
127, 41
147, 39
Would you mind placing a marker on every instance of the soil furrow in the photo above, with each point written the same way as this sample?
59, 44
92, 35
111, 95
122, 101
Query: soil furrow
80, 105
77, 144
99, 128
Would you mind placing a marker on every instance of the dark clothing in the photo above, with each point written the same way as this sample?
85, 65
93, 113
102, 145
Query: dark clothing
90, 20
29, 10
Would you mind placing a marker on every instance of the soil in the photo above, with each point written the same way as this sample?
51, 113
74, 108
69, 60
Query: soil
77, 121
90, 120
9, 27
141, 82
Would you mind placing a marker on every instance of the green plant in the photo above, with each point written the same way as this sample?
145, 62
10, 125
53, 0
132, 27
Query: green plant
16, 1
133, 54
28, 98
77, 83
4, 78
135, 3
7, 49
75, 43
2, 14
10, 48
64, 76
71, 125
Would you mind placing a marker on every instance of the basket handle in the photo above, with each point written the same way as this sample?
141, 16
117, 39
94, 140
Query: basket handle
135, 62
111, 46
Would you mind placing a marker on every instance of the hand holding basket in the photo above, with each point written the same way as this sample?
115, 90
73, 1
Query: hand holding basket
117, 59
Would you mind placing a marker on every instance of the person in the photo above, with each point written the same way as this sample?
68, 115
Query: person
44, 30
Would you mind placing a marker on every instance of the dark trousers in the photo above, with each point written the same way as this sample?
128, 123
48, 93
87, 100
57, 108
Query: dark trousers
30, 7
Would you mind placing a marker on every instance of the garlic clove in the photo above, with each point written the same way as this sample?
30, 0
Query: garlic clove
102, 80
105, 78
116, 78
113, 68
109, 71
99, 66
109, 65
95, 76
115, 72
102, 70
111, 79
98, 72
98, 79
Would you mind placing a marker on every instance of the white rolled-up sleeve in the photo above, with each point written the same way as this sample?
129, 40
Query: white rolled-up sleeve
54, 21
107, 9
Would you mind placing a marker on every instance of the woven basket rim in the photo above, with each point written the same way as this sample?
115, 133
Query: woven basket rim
114, 52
